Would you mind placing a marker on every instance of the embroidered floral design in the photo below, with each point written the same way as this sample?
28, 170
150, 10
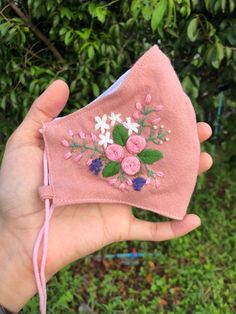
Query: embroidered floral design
117, 149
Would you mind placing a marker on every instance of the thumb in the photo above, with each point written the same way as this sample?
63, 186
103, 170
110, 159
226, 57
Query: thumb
46, 107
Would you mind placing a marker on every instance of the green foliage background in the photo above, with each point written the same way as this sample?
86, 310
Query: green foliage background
89, 44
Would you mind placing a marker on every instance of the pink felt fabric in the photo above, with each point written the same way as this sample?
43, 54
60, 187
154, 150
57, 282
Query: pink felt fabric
152, 76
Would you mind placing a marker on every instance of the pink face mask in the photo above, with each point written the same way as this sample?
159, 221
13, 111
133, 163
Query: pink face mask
136, 144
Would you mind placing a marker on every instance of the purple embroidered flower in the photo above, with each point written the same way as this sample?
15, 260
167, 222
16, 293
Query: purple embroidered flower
138, 183
96, 166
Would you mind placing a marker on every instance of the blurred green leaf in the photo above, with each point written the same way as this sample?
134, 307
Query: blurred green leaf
158, 14
192, 30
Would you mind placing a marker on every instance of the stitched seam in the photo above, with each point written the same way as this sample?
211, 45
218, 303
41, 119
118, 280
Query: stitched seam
119, 201
51, 180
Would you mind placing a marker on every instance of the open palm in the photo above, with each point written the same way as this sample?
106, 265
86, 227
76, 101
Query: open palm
75, 231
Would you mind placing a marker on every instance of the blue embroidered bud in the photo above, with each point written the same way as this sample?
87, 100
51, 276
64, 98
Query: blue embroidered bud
138, 183
96, 166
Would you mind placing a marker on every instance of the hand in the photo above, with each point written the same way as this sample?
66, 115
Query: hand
75, 231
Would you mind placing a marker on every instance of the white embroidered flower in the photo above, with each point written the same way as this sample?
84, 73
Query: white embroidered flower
115, 118
101, 123
131, 126
105, 139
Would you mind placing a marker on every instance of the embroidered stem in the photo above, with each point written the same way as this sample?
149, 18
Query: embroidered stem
122, 176
84, 146
148, 110
94, 148
159, 136
150, 172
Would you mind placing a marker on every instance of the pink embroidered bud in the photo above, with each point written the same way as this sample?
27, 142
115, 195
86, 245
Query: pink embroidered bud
139, 106
148, 181
89, 161
160, 173
67, 155
82, 135
115, 152
129, 181
41, 130
78, 157
159, 108
148, 99
156, 121
122, 186
136, 115
135, 144
71, 133
93, 136
130, 165
157, 183
112, 181
65, 143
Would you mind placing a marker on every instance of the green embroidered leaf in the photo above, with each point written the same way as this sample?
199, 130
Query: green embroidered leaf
149, 156
120, 134
111, 169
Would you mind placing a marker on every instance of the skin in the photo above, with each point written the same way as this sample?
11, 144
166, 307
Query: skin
75, 231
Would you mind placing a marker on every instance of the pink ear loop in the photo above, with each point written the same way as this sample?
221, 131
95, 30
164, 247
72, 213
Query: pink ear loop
42, 235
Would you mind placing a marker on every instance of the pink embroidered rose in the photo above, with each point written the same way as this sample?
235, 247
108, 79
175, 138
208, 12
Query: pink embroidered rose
135, 144
115, 152
130, 165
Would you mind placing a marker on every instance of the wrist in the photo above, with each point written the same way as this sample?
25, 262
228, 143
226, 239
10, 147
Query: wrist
17, 284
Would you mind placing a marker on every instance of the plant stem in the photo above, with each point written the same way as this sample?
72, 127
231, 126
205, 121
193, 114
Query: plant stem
75, 145
36, 31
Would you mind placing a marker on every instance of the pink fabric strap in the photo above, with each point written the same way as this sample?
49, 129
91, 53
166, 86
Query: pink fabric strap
42, 238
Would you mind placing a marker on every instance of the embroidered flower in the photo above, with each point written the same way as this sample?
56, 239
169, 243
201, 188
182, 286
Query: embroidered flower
101, 123
135, 144
136, 115
93, 136
148, 99
130, 165
67, 155
138, 106
112, 181
105, 139
115, 152
71, 133
96, 166
157, 183
65, 143
82, 135
115, 118
138, 183
129, 181
89, 161
122, 187
131, 126
78, 157
156, 121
